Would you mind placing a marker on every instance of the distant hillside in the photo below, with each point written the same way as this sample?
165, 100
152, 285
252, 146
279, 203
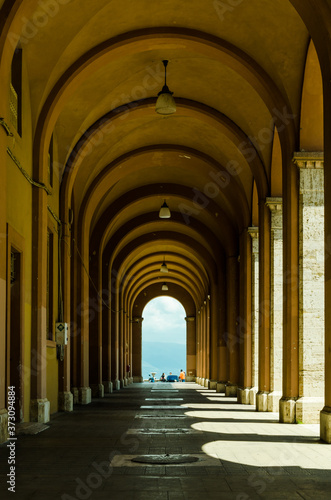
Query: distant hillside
163, 357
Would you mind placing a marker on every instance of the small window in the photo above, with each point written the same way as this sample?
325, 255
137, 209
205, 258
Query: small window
15, 100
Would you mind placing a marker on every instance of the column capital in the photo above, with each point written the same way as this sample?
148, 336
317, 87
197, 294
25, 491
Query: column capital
190, 319
253, 231
275, 204
306, 159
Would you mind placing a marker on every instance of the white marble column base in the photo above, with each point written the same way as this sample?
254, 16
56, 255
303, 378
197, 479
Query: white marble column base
243, 396
252, 395
3, 426
262, 401
40, 410
231, 390
75, 393
66, 401
220, 387
325, 419
206, 383
212, 384
98, 391
116, 385
308, 410
85, 395
287, 410
108, 386
273, 400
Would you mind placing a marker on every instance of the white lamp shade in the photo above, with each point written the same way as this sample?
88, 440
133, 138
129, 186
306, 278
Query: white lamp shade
165, 104
164, 212
163, 268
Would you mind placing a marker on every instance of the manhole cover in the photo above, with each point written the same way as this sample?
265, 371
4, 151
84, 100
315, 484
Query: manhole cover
165, 459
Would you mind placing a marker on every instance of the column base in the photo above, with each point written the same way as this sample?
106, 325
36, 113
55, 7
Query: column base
308, 410
137, 380
206, 383
66, 401
98, 391
3, 426
116, 385
243, 396
273, 401
125, 382
231, 390
40, 410
252, 395
262, 401
85, 395
325, 419
212, 384
122, 384
220, 387
287, 410
75, 393
108, 386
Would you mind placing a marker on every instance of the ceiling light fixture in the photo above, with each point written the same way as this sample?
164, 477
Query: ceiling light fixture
164, 212
164, 268
165, 104
165, 287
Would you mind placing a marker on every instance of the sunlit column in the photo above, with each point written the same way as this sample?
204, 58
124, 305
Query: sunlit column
245, 323
311, 287
264, 307
276, 303
254, 233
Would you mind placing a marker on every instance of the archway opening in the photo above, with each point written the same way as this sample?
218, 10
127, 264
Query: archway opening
163, 337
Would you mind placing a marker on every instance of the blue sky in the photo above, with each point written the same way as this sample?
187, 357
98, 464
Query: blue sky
164, 321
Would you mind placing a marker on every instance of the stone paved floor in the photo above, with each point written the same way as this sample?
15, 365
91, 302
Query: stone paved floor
242, 454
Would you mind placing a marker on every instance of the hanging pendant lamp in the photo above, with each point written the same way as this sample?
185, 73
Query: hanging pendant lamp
164, 268
165, 287
165, 104
164, 212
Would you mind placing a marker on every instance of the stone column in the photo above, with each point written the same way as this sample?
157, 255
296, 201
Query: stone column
232, 280
311, 287
291, 291
245, 322
276, 303
264, 308
136, 348
212, 301
222, 349
39, 404
191, 349
254, 233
